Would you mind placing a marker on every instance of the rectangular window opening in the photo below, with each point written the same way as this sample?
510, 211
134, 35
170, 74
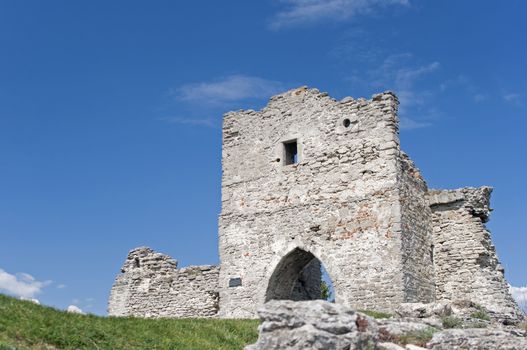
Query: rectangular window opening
291, 152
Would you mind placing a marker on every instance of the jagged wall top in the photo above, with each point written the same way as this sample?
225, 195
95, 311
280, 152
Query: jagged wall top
252, 140
304, 95
476, 200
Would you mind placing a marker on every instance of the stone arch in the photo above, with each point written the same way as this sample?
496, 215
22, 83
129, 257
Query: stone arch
297, 276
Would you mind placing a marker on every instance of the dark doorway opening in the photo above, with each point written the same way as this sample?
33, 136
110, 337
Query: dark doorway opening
300, 276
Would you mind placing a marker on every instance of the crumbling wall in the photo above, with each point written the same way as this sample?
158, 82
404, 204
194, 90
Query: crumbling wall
466, 264
417, 243
151, 285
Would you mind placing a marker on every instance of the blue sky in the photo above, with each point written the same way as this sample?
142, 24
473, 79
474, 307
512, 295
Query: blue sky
110, 116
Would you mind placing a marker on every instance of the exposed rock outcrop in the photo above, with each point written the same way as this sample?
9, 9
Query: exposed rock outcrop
323, 325
481, 339
313, 325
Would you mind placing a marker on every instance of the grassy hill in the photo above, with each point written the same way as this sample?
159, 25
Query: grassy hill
24, 325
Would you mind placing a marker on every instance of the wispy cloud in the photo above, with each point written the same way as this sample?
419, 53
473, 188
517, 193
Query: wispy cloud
512, 98
520, 295
405, 77
357, 47
61, 286
464, 83
226, 90
305, 12
21, 285
403, 74
205, 122
480, 97
406, 123
201, 104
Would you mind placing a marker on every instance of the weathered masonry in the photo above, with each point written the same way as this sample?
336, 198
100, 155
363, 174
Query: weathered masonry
151, 285
310, 180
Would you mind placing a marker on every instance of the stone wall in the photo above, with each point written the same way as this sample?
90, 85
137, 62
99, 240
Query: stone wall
466, 264
341, 202
151, 285
417, 243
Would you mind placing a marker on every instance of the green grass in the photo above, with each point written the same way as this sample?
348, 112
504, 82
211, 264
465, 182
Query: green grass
26, 326
476, 325
480, 314
452, 322
419, 338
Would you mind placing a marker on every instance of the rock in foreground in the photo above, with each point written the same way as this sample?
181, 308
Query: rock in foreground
313, 325
322, 325
476, 339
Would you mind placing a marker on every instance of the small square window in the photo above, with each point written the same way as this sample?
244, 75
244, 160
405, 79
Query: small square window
290, 152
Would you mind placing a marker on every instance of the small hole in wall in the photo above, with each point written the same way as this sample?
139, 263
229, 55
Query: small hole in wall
346, 122
277, 160
136, 262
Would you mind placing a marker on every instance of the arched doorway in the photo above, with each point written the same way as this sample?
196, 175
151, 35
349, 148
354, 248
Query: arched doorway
299, 276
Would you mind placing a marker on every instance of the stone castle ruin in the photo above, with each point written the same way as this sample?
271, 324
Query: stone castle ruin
310, 180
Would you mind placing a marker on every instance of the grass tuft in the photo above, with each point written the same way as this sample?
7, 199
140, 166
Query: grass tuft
480, 314
27, 326
452, 322
476, 325
419, 338
376, 314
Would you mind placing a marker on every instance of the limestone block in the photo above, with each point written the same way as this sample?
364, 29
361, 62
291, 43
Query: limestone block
313, 325
481, 339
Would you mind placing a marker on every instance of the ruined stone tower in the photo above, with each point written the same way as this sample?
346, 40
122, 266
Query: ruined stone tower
310, 177
310, 180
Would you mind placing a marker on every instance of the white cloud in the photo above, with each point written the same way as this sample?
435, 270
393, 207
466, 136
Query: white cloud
74, 309
232, 88
21, 285
33, 300
302, 12
520, 295
61, 286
